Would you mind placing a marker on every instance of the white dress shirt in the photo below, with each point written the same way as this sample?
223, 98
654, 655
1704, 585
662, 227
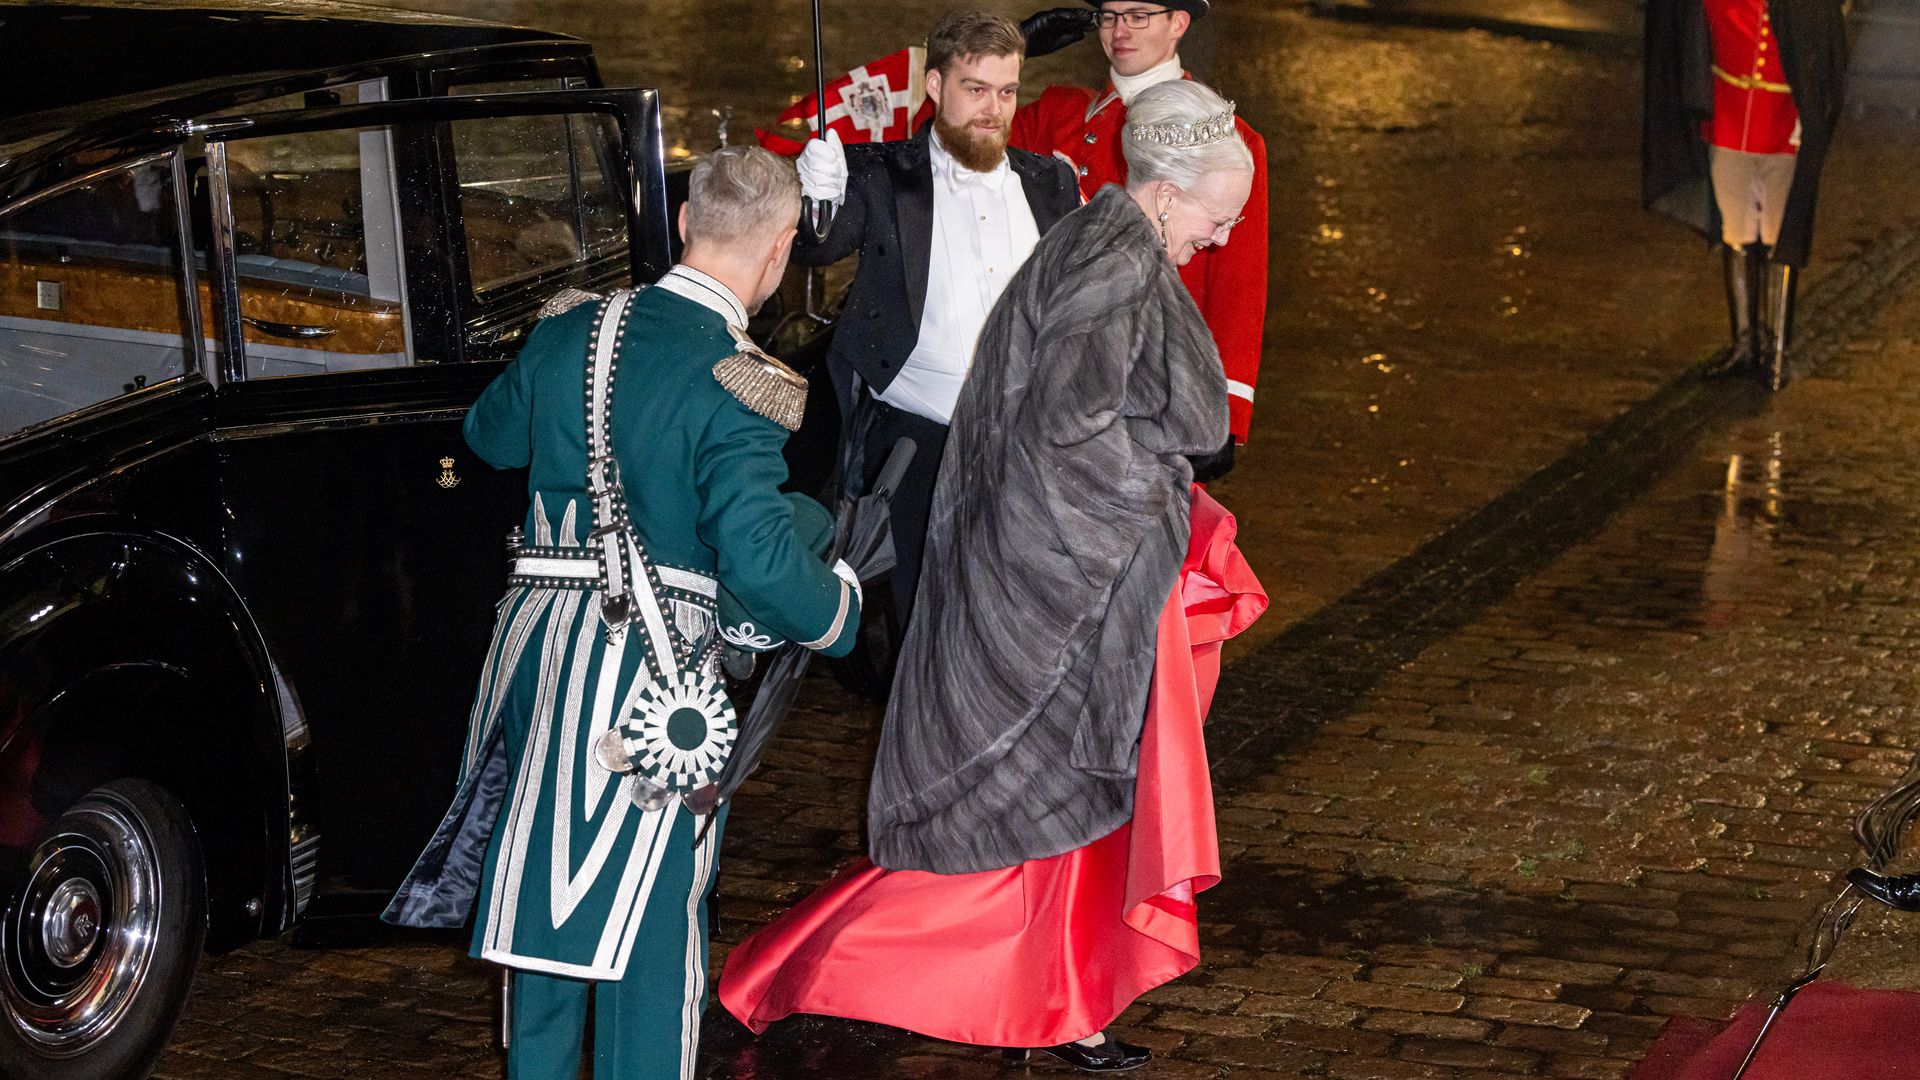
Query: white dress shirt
983, 230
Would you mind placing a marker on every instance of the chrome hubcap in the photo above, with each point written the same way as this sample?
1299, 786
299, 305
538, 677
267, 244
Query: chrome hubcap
72, 922
77, 943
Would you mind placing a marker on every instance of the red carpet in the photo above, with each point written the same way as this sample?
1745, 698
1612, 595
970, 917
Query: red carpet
1831, 1031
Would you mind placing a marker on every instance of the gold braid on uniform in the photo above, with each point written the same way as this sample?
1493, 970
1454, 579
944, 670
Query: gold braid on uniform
764, 384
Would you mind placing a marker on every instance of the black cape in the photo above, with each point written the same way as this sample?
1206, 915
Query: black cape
1679, 98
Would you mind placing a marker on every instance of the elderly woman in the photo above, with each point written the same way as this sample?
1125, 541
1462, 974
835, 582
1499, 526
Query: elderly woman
1040, 818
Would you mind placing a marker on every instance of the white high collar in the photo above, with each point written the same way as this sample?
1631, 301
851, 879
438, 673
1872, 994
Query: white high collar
704, 289
1129, 85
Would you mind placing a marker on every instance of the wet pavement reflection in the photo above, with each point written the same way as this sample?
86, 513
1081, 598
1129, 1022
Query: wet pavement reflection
1743, 534
1600, 791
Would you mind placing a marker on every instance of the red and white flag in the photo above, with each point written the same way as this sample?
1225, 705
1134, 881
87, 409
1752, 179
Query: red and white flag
874, 102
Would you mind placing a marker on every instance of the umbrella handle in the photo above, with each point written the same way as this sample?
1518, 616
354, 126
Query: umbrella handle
895, 469
818, 215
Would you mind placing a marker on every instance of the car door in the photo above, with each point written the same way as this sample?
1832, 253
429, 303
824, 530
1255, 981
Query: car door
376, 264
103, 408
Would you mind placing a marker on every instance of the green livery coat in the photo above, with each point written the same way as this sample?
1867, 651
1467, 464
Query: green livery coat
564, 865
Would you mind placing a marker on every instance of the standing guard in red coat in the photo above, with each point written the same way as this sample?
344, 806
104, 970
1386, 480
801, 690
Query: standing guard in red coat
1228, 281
1742, 99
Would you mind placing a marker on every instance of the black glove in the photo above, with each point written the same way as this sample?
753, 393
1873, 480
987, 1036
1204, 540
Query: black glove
1213, 466
1054, 29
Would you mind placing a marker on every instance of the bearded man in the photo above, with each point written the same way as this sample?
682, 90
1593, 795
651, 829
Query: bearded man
941, 222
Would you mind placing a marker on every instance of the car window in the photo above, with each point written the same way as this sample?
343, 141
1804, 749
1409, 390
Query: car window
317, 252
92, 295
538, 194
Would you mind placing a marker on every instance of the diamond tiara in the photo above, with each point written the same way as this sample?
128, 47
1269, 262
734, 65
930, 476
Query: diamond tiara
1180, 136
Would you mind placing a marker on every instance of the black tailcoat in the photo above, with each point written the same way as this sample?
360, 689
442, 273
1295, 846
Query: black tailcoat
887, 217
1679, 98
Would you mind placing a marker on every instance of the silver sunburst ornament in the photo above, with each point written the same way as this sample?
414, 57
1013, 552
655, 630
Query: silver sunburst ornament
679, 732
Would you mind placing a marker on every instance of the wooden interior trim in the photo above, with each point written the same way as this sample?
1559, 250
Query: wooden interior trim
133, 297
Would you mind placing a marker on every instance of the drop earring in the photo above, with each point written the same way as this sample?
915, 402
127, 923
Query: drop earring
1163, 229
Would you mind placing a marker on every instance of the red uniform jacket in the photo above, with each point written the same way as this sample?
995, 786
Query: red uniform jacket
1229, 282
1752, 103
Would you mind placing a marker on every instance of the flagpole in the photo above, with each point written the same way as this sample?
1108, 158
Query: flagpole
822, 212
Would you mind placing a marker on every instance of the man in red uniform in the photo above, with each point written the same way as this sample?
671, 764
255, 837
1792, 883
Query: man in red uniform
1751, 142
1229, 280
1759, 83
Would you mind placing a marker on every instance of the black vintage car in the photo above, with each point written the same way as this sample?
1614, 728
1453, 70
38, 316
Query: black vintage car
256, 259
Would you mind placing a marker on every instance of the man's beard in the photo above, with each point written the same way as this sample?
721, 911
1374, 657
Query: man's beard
974, 149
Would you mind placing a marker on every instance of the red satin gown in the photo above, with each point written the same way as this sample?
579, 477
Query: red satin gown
1050, 950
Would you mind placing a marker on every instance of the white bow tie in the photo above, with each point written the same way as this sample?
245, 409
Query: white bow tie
959, 178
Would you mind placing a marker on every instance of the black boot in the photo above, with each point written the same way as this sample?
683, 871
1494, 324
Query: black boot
1776, 329
1738, 269
1900, 893
1108, 1056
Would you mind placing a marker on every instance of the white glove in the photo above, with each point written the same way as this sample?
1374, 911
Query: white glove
823, 169
845, 573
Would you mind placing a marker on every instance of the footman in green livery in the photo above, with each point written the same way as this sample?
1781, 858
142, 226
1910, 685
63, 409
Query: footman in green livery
586, 827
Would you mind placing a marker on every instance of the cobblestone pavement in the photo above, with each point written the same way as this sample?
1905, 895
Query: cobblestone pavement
1611, 798
1607, 791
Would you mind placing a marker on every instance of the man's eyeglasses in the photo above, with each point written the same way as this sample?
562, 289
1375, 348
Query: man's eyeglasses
1135, 20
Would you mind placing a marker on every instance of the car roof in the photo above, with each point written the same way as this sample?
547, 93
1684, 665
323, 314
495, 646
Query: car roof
62, 57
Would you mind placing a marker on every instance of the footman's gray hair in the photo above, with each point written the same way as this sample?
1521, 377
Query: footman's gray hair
739, 193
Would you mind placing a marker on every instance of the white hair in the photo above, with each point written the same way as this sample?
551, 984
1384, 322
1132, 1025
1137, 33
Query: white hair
1183, 102
741, 193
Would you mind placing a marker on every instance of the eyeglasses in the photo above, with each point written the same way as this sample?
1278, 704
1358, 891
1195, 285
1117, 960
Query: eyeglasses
1135, 20
1220, 228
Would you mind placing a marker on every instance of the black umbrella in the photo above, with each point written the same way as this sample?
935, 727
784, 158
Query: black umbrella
863, 536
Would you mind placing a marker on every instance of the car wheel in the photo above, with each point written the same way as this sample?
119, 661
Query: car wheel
100, 944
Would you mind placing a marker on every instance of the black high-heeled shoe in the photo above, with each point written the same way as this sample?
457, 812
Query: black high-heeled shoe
1108, 1056
1901, 893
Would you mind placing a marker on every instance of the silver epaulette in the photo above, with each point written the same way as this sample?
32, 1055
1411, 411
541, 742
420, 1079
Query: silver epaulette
762, 383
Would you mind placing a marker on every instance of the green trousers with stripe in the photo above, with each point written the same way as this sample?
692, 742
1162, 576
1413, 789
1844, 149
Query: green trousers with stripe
647, 1025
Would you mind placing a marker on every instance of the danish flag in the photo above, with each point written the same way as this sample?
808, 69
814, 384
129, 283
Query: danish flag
874, 102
